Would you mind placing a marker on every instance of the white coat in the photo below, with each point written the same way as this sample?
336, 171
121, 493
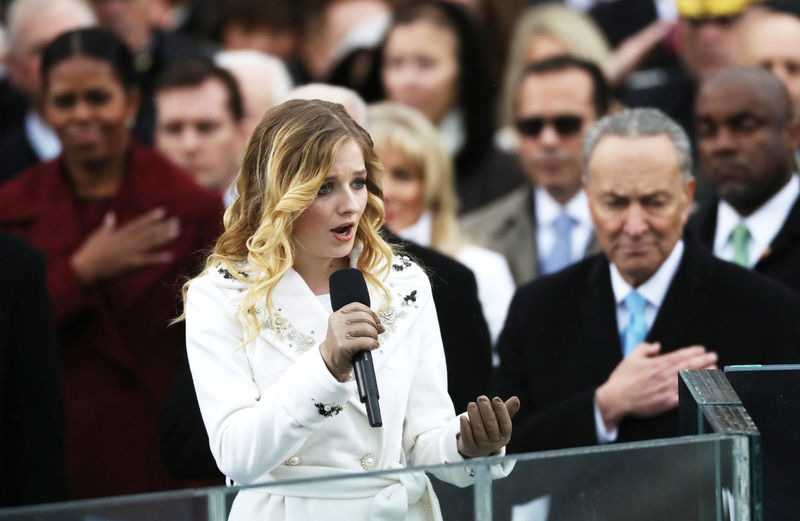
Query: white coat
274, 412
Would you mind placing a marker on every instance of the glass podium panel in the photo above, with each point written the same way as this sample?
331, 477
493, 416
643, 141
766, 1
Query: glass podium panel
698, 478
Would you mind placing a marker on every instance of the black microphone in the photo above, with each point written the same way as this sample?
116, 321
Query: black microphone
348, 285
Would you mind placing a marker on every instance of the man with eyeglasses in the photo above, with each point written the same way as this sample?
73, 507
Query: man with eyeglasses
545, 226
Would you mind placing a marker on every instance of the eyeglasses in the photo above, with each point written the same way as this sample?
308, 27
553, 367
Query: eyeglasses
564, 125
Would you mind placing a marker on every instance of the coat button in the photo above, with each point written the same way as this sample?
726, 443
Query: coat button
369, 462
294, 461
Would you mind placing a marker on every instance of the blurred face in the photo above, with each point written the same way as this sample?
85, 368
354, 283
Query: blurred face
744, 143
128, 19
196, 130
339, 18
553, 114
774, 44
277, 43
639, 204
88, 108
403, 190
707, 45
327, 229
36, 30
543, 46
420, 68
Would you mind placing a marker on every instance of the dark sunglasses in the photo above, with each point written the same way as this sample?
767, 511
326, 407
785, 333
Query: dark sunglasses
564, 125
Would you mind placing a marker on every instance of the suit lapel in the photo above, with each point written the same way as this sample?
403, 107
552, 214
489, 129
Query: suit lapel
686, 297
516, 237
788, 235
704, 223
56, 205
309, 324
599, 318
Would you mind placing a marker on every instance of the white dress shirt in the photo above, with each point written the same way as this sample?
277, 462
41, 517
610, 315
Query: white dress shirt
548, 210
42, 138
493, 276
452, 133
764, 224
653, 290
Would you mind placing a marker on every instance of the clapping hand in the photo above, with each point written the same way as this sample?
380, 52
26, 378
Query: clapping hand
488, 428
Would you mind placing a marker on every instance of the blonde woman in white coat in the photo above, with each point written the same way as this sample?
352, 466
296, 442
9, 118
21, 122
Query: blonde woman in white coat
271, 361
421, 205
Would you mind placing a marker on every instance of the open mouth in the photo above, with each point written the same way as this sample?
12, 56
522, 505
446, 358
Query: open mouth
344, 233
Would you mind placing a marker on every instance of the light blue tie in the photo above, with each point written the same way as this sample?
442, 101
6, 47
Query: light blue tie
561, 255
636, 330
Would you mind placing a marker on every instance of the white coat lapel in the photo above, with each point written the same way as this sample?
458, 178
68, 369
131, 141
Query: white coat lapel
309, 320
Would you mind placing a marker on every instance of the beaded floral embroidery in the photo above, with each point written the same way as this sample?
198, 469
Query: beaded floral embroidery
404, 263
411, 297
227, 274
286, 332
327, 409
389, 317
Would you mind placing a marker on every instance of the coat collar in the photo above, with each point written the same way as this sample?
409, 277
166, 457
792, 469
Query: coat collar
599, 318
685, 299
687, 296
704, 224
300, 321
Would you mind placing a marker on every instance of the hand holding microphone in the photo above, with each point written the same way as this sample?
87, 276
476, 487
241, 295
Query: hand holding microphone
353, 331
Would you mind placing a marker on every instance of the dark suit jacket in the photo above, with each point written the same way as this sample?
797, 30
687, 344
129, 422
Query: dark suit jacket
781, 262
17, 153
465, 335
33, 455
561, 341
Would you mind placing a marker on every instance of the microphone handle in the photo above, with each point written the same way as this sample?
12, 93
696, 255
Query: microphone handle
367, 386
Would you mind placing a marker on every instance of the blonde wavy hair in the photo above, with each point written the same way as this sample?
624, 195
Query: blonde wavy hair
412, 134
579, 34
285, 163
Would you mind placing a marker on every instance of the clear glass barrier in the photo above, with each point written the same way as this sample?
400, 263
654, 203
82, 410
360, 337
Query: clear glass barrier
708, 404
688, 478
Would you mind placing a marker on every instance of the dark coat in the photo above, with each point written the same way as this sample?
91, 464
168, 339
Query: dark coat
465, 335
17, 153
781, 262
118, 355
33, 455
561, 341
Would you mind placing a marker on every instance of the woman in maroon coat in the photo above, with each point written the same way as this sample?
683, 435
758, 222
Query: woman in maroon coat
121, 228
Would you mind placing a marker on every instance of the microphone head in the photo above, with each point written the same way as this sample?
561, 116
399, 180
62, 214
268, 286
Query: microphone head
348, 285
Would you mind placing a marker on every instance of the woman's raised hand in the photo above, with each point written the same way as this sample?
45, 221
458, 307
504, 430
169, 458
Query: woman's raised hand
488, 426
353, 328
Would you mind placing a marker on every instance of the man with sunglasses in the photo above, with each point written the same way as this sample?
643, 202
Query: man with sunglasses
545, 226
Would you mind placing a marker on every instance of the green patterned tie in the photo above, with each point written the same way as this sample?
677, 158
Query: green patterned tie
740, 236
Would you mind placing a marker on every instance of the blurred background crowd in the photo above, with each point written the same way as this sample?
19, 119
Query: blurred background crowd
119, 147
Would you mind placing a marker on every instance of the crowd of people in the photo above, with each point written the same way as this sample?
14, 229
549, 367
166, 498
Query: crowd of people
600, 194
